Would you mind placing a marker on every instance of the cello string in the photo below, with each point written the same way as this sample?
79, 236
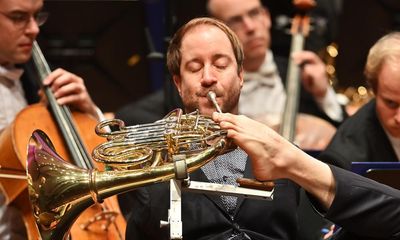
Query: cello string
13, 176
57, 112
12, 173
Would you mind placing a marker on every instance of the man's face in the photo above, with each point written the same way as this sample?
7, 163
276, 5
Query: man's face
249, 20
16, 37
208, 63
388, 98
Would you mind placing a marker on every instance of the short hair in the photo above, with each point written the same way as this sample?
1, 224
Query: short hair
174, 54
385, 51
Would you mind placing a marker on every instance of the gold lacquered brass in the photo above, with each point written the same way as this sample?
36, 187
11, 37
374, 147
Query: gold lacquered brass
153, 144
60, 192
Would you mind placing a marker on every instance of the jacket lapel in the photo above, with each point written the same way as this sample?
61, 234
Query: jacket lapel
216, 199
247, 174
30, 82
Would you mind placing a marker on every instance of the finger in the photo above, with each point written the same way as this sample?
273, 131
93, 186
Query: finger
219, 117
216, 116
305, 57
227, 126
70, 100
52, 76
63, 79
69, 89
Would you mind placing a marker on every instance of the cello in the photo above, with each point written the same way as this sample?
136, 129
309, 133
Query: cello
295, 126
67, 130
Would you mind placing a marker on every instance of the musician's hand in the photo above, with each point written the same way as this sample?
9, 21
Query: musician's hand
313, 70
273, 157
70, 89
270, 153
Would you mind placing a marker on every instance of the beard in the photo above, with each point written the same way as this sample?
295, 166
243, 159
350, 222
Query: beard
228, 101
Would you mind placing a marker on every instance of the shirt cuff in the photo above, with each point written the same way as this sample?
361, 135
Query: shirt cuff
330, 105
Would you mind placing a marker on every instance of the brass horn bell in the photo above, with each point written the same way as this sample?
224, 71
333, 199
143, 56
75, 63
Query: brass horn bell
59, 191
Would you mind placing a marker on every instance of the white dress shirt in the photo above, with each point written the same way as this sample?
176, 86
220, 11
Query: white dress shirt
11, 94
395, 144
263, 95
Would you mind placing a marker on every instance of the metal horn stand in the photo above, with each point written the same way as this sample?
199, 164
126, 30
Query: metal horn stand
182, 182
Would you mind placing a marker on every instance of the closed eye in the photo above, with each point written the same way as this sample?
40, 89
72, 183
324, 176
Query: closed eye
221, 66
221, 62
391, 104
194, 66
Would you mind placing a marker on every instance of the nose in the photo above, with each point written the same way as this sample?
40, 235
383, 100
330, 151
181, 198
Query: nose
32, 28
248, 24
209, 77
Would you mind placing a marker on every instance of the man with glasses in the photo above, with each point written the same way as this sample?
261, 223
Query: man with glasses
19, 27
22, 19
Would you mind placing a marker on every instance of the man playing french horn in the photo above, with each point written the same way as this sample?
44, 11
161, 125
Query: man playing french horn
205, 59
203, 56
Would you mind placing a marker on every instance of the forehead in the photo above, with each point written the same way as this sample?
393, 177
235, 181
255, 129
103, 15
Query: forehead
20, 5
204, 40
389, 78
226, 9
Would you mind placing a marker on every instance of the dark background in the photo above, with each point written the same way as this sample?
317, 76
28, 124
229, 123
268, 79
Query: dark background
105, 41
99, 41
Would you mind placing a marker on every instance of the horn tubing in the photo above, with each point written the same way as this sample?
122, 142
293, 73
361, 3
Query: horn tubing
60, 191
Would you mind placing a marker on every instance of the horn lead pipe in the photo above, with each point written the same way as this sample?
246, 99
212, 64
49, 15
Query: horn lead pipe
212, 96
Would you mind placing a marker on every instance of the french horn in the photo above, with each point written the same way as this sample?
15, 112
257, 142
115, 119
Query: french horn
137, 156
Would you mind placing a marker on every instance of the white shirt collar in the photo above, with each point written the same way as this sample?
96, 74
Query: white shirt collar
395, 143
11, 72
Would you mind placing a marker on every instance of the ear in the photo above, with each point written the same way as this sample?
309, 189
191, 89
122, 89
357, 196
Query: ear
241, 79
177, 82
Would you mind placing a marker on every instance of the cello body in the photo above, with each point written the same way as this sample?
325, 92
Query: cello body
95, 222
13, 142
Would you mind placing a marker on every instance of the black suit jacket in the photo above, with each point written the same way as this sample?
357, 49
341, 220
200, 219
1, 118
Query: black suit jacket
30, 82
360, 138
204, 216
365, 209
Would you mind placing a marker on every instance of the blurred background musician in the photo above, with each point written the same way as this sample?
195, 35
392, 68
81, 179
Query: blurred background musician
372, 134
19, 27
361, 23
